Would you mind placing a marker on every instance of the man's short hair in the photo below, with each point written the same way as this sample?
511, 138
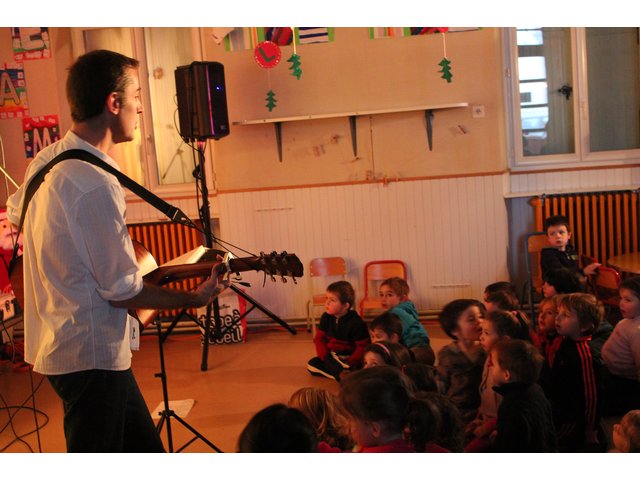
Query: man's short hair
92, 78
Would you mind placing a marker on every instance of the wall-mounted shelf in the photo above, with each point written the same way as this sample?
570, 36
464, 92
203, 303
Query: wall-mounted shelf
428, 111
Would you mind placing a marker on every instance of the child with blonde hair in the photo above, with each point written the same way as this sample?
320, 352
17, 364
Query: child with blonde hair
626, 434
394, 296
575, 389
546, 338
325, 414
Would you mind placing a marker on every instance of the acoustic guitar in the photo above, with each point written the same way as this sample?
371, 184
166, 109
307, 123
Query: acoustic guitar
273, 264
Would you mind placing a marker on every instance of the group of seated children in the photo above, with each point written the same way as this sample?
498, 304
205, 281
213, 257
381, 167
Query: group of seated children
501, 385
342, 336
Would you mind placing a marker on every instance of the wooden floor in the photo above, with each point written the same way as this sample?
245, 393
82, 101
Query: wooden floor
240, 379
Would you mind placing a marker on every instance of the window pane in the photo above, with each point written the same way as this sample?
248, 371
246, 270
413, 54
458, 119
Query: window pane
544, 67
168, 48
128, 154
614, 88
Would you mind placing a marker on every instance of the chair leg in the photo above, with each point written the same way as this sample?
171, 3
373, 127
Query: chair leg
309, 307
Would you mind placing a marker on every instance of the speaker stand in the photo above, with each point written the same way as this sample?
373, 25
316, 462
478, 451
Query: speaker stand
205, 218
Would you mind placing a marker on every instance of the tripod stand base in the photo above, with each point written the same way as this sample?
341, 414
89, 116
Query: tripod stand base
167, 414
165, 419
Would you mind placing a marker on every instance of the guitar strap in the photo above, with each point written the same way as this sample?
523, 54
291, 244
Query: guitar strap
174, 213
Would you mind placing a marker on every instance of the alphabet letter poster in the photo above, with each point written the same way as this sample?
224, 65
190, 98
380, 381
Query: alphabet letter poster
13, 91
30, 43
38, 132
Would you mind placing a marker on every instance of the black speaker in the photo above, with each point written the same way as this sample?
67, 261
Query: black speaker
202, 101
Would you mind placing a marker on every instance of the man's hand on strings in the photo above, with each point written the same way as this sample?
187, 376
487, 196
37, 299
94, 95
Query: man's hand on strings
212, 286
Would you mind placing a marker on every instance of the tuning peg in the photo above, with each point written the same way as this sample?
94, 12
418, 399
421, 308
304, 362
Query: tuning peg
273, 279
295, 282
284, 279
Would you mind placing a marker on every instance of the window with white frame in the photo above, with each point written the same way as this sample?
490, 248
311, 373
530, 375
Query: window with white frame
573, 96
158, 157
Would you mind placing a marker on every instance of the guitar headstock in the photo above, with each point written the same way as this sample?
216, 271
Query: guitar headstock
281, 264
273, 264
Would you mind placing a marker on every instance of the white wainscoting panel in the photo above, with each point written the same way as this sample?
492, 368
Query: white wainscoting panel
452, 233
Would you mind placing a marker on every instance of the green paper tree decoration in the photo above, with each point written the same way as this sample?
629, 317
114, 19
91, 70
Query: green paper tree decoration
446, 69
294, 59
271, 100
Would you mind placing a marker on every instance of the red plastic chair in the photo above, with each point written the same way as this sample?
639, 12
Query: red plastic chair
374, 273
606, 287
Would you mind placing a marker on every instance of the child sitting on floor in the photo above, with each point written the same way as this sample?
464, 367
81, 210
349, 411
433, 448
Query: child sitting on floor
341, 336
386, 326
546, 338
394, 296
505, 301
525, 421
496, 325
621, 352
575, 389
386, 353
325, 414
383, 412
460, 363
278, 429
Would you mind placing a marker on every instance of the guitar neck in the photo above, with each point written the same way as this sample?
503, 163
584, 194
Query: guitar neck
174, 273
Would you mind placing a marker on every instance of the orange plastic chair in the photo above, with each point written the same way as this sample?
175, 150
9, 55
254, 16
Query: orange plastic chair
606, 286
374, 273
325, 268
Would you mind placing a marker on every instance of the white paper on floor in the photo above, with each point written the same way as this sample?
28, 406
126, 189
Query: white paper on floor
180, 407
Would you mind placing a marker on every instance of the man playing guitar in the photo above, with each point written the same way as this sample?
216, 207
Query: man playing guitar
80, 269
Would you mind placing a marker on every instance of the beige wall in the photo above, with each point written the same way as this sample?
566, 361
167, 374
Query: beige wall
355, 73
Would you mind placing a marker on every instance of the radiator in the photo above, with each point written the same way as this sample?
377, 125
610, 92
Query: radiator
166, 241
603, 224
